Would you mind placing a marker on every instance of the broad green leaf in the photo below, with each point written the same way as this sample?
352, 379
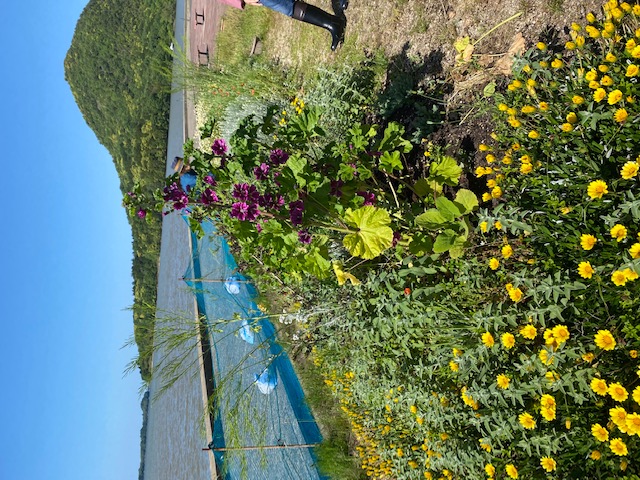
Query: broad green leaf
444, 241
447, 208
317, 263
446, 171
297, 165
373, 234
432, 219
457, 249
390, 161
424, 187
467, 199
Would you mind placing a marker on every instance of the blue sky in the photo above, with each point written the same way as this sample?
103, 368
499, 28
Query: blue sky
65, 409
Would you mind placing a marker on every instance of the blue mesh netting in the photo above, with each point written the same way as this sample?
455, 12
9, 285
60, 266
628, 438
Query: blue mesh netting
259, 401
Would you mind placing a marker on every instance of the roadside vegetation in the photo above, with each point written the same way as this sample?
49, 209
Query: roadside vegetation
113, 68
461, 256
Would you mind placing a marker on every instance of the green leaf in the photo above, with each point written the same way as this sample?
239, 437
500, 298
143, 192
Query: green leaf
424, 187
446, 171
489, 89
374, 234
466, 199
457, 249
390, 161
444, 241
432, 219
447, 208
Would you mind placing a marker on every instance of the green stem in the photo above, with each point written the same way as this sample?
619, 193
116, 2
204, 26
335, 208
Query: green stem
513, 17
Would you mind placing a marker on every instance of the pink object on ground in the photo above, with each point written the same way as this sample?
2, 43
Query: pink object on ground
234, 3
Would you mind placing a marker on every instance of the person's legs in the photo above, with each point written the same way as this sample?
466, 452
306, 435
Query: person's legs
315, 16
281, 6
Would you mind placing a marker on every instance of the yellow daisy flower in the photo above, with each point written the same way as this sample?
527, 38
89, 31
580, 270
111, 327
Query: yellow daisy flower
587, 241
629, 170
619, 232
597, 189
617, 392
599, 432
599, 386
604, 340
585, 270
529, 332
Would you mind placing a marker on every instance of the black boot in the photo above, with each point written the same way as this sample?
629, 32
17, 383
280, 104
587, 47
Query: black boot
315, 16
339, 6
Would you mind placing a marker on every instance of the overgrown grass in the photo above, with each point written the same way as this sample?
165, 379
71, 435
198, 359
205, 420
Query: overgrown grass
241, 27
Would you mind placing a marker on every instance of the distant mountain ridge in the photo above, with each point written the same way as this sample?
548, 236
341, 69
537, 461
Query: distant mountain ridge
113, 67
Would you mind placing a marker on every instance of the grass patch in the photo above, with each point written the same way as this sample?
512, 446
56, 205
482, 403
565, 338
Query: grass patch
241, 27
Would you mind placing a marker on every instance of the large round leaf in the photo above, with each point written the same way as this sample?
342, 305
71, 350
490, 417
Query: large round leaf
373, 235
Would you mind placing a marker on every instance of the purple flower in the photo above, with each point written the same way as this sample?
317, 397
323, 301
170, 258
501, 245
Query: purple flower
304, 236
336, 186
261, 172
278, 157
131, 195
141, 213
369, 198
243, 211
270, 202
208, 197
219, 147
397, 236
258, 227
295, 211
245, 192
210, 180
355, 169
181, 203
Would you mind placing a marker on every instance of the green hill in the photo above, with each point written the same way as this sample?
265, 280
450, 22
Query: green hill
113, 68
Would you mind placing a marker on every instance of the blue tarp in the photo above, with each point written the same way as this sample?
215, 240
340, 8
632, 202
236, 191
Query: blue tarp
260, 402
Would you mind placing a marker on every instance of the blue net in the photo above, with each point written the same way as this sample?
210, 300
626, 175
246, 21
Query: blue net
262, 426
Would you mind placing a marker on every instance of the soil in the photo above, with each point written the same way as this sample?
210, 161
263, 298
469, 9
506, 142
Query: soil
419, 36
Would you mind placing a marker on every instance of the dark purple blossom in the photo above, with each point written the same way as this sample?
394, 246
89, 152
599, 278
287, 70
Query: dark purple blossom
258, 227
336, 186
181, 203
219, 147
173, 193
304, 236
278, 157
245, 192
397, 236
209, 180
141, 213
374, 154
208, 197
369, 198
243, 211
269, 201
261, 172
295, 212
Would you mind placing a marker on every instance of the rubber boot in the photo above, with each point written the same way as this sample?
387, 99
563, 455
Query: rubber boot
339, 6
315, 16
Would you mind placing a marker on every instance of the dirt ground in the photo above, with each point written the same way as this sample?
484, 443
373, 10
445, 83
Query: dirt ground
421, 35
420, 28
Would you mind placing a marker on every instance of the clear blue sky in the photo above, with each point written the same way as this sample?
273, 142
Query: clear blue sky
66, 412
